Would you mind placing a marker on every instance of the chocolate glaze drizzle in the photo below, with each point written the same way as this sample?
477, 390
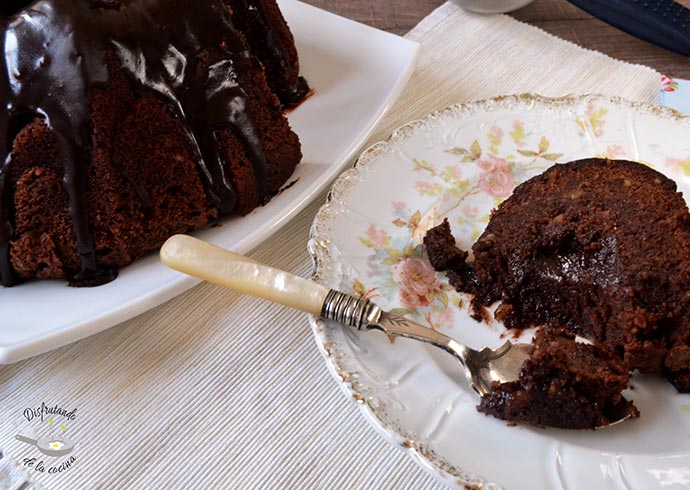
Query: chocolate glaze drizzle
187, 54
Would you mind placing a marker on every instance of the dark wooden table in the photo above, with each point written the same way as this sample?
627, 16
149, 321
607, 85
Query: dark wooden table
555, 16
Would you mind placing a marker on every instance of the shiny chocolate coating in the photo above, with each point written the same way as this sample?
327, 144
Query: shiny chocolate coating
186, 54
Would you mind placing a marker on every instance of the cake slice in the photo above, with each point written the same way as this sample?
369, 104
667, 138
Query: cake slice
564, 384
598, 246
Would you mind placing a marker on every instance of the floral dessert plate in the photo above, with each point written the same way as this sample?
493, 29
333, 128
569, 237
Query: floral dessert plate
460, 163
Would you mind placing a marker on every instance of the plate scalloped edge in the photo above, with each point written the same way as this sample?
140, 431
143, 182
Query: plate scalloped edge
323, 273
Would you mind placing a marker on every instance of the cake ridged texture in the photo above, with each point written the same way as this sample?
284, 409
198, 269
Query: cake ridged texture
270, 39
156, 119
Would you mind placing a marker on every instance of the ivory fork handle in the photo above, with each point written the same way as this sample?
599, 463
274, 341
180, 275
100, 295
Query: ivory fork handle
214, 264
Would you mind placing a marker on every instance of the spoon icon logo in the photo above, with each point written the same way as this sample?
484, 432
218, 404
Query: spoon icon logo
50, 446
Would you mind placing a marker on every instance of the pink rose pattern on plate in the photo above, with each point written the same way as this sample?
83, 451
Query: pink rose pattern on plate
668, 84
417, 281
403, 273
496, 178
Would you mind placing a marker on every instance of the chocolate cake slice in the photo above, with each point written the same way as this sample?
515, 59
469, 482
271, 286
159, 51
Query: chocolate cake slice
599, 247
564, 384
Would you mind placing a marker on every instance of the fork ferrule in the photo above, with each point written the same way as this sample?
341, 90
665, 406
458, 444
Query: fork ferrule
349, 310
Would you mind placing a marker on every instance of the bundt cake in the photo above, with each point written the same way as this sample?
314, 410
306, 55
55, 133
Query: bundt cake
128, 121
599, 247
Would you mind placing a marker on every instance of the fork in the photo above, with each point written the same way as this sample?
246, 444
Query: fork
214, 264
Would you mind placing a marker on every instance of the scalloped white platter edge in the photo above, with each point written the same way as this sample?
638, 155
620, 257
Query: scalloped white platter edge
460, 163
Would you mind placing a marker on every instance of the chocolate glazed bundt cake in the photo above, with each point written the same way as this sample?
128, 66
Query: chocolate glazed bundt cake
128, 121
599, 247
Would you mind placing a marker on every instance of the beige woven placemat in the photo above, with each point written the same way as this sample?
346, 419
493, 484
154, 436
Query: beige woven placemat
218, 390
